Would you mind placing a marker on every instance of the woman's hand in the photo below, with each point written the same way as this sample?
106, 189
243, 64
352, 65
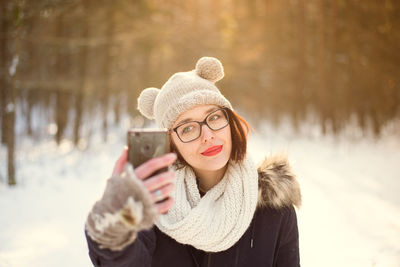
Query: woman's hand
161, 185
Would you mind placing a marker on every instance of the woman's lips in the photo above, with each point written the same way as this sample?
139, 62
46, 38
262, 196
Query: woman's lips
214, 150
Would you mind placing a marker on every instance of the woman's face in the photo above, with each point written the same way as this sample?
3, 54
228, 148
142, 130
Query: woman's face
212, 150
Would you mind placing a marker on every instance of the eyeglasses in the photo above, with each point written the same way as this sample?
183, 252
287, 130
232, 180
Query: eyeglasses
190, 131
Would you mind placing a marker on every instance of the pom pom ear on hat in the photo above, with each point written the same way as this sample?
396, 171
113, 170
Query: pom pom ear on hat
210, 69
146, 101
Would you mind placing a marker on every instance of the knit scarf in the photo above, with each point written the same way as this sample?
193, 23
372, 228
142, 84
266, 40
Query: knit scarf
216, 221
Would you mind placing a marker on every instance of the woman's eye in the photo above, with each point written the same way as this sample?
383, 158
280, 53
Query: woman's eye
214, 117
187, 129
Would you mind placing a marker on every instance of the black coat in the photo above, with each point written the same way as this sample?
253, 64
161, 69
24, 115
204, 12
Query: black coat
271, 240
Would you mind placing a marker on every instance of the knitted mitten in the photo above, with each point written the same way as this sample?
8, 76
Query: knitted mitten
125, 208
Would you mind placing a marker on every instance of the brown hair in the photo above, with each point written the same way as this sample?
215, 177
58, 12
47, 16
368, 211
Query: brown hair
240, 129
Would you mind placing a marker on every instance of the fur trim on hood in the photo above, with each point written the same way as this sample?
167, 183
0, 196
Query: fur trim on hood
277, 185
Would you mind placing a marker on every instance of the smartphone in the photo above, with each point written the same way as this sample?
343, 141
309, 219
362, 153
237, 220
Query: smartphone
145, 144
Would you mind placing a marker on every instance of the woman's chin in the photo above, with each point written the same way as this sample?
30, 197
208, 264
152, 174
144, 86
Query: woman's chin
214, 165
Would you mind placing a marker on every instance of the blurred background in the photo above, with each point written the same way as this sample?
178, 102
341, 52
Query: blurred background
71, 71
333, 62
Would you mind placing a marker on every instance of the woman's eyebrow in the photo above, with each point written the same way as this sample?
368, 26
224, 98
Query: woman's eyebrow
204, 113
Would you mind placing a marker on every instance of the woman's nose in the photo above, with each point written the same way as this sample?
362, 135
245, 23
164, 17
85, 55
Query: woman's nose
207, 134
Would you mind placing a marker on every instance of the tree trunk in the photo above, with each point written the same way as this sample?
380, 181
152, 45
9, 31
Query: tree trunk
10, 118
3, 70
105, 101
62, 108
80, 93
62, 69
7, 94
31, 97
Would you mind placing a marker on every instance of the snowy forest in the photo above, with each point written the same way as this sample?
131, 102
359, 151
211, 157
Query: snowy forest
319, 80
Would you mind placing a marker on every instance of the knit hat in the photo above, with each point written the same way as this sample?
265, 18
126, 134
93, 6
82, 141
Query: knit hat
183, 91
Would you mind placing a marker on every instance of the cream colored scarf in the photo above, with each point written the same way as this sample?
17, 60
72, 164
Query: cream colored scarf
216, 221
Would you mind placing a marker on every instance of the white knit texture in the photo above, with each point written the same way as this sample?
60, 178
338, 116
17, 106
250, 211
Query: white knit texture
218, 220
183, 91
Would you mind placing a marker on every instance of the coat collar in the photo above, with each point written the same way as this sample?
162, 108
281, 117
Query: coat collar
277, 185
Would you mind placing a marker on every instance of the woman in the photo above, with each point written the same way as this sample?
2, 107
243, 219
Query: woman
213, 207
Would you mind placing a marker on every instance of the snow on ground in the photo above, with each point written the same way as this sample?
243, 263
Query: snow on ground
350, 214
351, 207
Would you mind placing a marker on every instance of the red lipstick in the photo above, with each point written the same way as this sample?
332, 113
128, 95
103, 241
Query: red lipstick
214, 150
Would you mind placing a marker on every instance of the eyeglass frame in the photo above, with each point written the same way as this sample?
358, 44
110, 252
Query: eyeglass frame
201, 123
